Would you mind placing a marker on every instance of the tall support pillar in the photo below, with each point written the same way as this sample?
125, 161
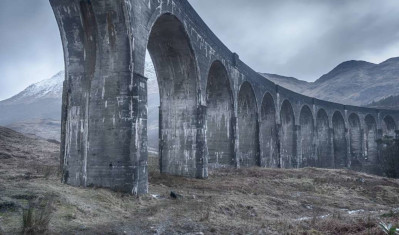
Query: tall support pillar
379, 154
297, 157
104, 115
299, 153
139, 150
201, 157
278, 144
234, 140
348, 150
331, 148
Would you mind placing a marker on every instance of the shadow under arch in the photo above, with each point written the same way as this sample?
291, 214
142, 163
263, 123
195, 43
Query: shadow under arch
323, 148
247, 117
288, 154
355, 140
306, 135
339, 141
371, 148
176, 69
268, 132
388, 126
219, 119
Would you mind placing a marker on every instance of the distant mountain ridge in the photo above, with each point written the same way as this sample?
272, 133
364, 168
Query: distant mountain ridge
46, 89
290, 83
391, 102
41, 100
344, 67
351, 82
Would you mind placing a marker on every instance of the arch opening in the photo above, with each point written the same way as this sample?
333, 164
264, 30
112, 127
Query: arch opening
388, 126
371, 148
219, 133
339, 139
323, 149
268, 133
247, 126
176, 72
355, 138
307, 158
287, 141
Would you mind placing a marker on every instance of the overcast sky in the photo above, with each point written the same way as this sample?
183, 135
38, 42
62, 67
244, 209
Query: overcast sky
300, 38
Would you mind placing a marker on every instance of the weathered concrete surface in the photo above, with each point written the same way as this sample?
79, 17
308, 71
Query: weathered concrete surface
355, 139
306, 138
247, 127
220, 111
339, 141
215, 111
268, 133
324, 157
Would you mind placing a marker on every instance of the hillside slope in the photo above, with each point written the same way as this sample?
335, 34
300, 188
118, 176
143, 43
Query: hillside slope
351, 82
358, 82
391, 102
290, 83
17, 151
41, 100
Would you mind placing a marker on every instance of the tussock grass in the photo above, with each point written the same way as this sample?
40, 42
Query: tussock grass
36, 217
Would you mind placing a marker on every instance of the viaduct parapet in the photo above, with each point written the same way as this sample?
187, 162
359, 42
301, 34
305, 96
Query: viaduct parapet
215, 111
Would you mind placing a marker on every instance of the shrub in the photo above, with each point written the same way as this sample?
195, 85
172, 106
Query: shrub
36, 217
389, 229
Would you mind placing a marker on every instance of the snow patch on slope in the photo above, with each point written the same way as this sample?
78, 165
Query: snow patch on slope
49, 88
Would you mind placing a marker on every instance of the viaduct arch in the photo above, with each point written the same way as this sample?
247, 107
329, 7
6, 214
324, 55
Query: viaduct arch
215, 110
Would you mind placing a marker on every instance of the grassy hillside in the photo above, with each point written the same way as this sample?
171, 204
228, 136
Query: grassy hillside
391, 102
255, 200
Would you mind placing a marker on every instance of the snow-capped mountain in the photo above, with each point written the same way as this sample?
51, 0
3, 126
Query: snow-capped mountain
36, 110
47, 89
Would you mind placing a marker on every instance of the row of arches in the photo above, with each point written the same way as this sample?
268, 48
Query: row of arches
313, 142
263, 142
105, 103
247, 138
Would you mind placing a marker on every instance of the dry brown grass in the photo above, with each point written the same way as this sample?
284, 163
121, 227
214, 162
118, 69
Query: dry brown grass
243, 201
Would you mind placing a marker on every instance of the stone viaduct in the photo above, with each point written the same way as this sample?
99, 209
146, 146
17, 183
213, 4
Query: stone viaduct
215, 110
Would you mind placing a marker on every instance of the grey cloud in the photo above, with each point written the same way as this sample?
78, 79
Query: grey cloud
304, 38
301, 38
30, 45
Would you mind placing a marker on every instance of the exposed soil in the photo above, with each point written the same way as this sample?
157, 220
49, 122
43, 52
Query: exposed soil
243, 201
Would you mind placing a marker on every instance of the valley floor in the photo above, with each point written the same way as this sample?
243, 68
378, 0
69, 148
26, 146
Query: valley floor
243, 201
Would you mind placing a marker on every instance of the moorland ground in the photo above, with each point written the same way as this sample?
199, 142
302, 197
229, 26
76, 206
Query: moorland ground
231, 201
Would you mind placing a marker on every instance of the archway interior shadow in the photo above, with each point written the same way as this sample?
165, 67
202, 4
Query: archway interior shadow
355, 137
323, 151
306, 135
247, 127
388, 126
339, 139
268, 133
371, 137
219, 132
176, 72
288, 144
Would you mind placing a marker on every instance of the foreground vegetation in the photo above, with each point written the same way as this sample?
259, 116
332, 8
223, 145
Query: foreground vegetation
244, 201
